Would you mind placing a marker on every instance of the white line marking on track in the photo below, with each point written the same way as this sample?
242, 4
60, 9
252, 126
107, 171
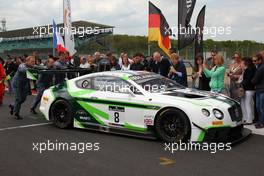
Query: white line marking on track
33, 117
25, 126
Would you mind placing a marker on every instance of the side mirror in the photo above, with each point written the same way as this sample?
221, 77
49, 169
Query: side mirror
126, 90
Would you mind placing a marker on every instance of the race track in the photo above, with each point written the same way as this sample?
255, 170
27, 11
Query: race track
117, 155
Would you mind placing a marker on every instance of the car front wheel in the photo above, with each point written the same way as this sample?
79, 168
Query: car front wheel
61, 113
172, 125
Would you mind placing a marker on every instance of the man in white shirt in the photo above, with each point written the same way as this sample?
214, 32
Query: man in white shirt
84, 63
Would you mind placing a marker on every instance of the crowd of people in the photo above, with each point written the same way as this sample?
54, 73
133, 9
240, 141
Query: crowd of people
245, 75
245, 82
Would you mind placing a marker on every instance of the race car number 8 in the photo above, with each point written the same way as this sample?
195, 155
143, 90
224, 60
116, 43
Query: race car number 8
116, 116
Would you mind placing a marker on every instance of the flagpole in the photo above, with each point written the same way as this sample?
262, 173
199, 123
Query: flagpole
53, 52
53, 48
63, 13
53, 43
149, 47
178, 27
63, 20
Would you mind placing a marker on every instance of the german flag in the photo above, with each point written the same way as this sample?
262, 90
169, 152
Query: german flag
159, 29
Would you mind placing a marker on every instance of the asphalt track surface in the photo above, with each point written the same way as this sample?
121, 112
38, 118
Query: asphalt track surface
118, 155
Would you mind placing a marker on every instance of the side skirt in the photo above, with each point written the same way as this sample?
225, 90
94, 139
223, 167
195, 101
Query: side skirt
113, 130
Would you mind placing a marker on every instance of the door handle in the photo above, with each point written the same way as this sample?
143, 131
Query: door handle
94, 98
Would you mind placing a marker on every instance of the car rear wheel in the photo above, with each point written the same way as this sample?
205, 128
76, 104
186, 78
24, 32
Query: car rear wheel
172, 125
61, 113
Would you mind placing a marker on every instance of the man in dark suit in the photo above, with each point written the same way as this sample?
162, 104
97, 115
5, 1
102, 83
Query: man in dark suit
258, 81
21, 86
137, 66
160, 65
258, 62
43, 83
178, 70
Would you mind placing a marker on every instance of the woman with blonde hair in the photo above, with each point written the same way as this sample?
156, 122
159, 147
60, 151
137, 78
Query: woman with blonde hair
217, 74
125, 63
235, 72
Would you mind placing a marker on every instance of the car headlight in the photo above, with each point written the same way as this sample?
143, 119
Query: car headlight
218, 114
206, 112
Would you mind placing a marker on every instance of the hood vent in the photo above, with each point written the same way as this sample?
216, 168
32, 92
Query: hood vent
185, 95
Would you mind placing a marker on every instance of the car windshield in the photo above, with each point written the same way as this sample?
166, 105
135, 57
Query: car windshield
157, 83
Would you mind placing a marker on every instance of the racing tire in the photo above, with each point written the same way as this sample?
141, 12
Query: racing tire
61, 112
172, 125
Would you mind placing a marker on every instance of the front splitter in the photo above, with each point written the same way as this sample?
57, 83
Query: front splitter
245, 134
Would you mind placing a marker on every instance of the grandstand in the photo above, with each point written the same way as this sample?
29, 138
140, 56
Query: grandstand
21, 41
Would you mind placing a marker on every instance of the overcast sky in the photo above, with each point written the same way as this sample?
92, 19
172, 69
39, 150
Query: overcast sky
246, 18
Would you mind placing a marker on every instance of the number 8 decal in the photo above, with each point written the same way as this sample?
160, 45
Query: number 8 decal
116, 115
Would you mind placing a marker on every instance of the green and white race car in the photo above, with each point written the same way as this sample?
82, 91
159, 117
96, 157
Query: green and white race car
143, 104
